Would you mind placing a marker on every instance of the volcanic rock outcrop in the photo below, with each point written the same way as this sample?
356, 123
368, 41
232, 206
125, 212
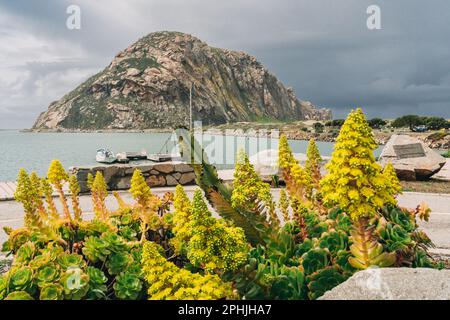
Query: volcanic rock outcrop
148, 86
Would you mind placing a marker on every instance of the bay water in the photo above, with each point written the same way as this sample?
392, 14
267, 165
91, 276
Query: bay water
35, 151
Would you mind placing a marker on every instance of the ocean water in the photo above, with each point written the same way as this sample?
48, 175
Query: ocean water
35, 151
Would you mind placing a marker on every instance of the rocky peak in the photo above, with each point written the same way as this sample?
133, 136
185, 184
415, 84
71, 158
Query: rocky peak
147, 86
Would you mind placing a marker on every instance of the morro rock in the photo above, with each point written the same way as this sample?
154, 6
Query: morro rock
147, 86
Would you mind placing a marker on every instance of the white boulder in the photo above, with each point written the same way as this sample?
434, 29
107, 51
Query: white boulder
412, 159
393, 284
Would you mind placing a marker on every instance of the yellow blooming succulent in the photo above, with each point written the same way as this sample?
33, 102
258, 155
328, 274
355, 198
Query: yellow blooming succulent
355, 181
139, 188
169, 282
214, 245
47, 192
75, 189
181, 219
99, 191
56, 173
27, 194
394, 183
148, 204
313, 162
57, 176
297, 180
248, 186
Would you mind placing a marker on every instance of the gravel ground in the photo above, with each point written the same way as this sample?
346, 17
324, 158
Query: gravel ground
431, 186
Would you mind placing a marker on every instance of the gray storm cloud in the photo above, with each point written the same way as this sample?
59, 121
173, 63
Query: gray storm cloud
321, 48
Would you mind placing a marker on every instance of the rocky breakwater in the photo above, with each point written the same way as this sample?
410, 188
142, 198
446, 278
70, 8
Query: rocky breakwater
118, 176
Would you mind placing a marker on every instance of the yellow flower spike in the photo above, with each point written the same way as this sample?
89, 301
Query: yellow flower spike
214, 245
99, 191
298, 181
27, 194
47, 191
74, 188
57, 176
355, 182
56, 173
313, 162
249, 190
394, 187
35, 182
139, 189
181, 219
167, 281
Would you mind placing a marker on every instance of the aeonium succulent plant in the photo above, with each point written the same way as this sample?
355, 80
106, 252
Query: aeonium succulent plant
128, 286
47, 275
66, 261
52, 291
21, 279
75, 283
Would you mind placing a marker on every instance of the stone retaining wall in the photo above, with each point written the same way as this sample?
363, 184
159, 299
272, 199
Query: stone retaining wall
118, 176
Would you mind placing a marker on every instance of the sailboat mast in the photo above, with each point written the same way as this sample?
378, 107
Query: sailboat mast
190, 108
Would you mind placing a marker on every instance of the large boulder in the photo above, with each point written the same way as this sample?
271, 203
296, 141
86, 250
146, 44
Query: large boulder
393, 284
412, 159
265, 162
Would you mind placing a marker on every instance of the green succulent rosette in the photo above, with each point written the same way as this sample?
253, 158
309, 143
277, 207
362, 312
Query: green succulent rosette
128, 233
126, 219
114, 242
75, 283
39, 261
19, 295
25, 253
97, 283
52, 291
334, 241
117, 262
47, 274
323, 280
95, 249
17, 238
68, 260
21, 279
127, 286
314, 260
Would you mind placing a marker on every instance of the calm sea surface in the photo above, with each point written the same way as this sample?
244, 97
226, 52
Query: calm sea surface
35, 151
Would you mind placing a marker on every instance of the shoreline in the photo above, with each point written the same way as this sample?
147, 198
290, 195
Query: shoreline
262, 131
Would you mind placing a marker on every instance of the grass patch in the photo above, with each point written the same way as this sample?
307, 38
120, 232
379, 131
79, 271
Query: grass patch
138, 63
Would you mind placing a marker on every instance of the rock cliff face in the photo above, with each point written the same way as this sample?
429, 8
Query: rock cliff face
147, 86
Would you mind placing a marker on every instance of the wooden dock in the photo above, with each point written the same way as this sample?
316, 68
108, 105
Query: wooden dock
8, 188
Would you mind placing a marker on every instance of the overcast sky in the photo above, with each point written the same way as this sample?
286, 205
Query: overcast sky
321, 48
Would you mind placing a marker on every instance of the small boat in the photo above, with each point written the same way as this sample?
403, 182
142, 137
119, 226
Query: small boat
162, 157
105, 156
142, 155
122, 157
